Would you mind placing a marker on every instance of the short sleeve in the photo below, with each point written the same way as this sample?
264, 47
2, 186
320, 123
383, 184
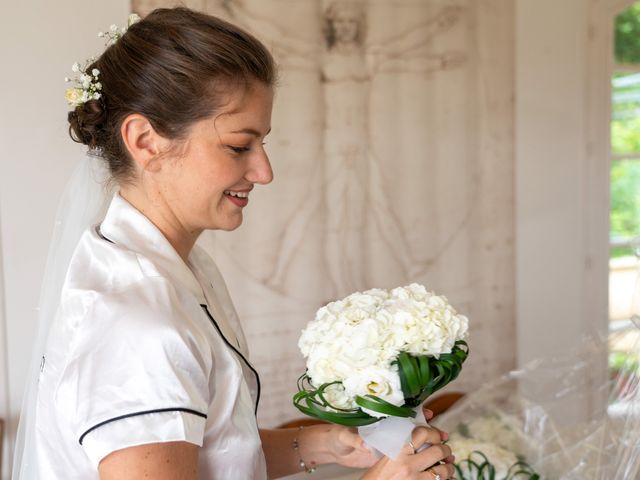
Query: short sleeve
137, 371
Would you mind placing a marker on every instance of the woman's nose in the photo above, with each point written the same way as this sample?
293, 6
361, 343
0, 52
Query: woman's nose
260, 171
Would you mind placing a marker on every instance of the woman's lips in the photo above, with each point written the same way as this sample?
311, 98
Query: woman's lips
237, 197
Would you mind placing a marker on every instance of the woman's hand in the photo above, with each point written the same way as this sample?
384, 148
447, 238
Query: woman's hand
434, 462
428, 415
349, 449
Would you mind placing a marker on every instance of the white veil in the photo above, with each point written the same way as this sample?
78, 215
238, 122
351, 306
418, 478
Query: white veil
82, 205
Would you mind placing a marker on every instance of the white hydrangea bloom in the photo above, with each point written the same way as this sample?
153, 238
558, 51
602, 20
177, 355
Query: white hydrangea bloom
356, 340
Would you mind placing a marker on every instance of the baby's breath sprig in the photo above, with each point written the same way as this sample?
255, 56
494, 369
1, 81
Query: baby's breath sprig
87, 84
114, 33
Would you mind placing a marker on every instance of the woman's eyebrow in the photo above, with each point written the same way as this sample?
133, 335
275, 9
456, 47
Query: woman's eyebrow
251, 131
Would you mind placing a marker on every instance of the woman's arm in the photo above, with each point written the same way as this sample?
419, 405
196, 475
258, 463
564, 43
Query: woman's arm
317, 445
326, 443
159, 461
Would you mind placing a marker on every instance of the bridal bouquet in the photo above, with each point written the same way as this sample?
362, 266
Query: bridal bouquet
379, 354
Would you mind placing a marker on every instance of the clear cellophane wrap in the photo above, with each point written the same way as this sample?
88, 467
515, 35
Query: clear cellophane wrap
573, 416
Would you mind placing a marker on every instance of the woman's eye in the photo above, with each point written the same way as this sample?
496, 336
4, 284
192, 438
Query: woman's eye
235, 149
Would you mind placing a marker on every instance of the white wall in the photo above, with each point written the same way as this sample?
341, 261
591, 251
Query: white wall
560, 253
39, 41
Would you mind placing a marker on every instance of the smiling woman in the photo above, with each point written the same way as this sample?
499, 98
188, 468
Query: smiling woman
145, 371
208, 183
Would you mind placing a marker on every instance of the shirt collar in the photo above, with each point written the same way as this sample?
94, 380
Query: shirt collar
126, 226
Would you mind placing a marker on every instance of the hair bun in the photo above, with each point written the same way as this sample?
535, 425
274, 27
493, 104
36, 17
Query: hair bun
86, 123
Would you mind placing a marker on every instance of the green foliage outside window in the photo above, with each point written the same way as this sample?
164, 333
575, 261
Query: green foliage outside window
627, 35
625, 130
625, 199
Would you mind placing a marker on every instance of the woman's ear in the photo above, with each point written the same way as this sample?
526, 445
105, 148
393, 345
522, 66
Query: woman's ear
142, 142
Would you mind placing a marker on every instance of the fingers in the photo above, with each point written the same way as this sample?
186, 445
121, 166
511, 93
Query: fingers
431, 456
439, 472
444, 436
428, 415
425, 435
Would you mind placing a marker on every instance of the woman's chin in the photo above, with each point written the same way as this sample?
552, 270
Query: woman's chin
229, 224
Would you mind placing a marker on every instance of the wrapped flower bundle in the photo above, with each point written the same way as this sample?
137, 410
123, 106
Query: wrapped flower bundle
379, 354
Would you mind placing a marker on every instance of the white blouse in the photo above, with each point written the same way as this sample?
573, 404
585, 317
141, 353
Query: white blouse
145, 349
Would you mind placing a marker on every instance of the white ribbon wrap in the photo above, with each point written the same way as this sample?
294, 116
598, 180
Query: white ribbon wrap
390, 434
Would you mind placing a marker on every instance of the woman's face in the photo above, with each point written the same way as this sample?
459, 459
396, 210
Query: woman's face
207, 185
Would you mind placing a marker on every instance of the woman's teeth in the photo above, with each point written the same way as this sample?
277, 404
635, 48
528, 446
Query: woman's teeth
237, 194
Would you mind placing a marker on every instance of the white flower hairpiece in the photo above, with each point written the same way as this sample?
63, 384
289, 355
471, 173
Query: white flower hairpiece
114, 33
87, 85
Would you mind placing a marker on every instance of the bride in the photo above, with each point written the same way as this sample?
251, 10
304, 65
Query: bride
145, 370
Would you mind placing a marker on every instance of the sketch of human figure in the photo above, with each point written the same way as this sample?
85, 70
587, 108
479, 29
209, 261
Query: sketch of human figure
354, 196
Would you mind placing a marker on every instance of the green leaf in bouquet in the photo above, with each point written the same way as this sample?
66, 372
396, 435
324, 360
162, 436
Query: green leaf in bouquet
435, 373
371, 402
313, 403
420, 376
425, 371
409, 375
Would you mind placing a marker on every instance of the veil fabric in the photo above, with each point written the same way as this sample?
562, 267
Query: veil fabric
83, 204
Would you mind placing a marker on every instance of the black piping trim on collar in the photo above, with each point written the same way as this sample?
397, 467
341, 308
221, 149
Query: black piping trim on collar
215, 324
145, 412
99, 232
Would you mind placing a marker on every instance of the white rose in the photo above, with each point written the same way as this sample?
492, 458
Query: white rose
133, 18
335, 394
383, 383
73, 96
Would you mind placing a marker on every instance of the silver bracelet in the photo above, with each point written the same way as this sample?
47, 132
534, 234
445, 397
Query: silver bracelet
296, 446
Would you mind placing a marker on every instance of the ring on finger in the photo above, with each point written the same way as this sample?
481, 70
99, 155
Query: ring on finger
436, 476
413, 447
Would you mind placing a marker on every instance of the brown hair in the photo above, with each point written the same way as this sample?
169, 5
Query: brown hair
170, 67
